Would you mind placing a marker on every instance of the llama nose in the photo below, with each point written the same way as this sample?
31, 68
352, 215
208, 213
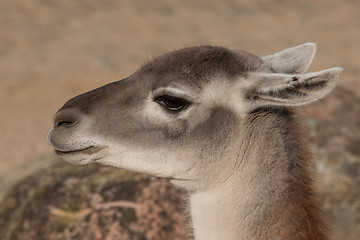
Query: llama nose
66, 118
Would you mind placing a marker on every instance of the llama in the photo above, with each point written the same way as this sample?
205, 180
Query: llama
218, 123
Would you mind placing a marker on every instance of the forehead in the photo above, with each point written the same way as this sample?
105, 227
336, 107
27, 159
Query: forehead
196, 66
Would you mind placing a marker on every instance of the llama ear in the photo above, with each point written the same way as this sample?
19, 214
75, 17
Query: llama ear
293, 60
272, 89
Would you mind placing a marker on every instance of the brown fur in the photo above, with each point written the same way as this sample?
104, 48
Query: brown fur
293, 212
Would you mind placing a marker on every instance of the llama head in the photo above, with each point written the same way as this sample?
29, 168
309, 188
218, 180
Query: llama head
179, 115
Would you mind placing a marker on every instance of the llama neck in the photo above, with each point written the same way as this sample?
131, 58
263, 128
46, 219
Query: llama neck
268, 196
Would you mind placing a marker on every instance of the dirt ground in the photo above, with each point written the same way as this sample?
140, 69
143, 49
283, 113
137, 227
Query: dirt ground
53, 50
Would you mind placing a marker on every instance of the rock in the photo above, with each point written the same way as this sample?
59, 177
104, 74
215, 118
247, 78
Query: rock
92, 202
335, 136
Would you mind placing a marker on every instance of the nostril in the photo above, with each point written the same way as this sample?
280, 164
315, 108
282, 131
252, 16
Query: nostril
65, 123
67, 118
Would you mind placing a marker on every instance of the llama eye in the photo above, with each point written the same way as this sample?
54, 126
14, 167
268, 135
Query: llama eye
172, 103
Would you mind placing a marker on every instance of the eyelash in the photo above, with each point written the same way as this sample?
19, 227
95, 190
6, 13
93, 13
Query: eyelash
171, 103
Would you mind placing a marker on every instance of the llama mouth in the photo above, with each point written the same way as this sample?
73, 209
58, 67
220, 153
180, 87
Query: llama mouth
88, 151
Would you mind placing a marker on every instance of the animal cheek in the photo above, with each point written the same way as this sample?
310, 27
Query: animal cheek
175, 129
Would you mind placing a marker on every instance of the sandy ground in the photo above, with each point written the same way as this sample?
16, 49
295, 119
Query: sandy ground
53, 50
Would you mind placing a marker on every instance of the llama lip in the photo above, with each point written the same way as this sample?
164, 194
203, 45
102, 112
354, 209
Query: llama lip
88, 150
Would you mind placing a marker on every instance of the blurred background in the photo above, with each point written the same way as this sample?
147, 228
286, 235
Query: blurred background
53, 50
